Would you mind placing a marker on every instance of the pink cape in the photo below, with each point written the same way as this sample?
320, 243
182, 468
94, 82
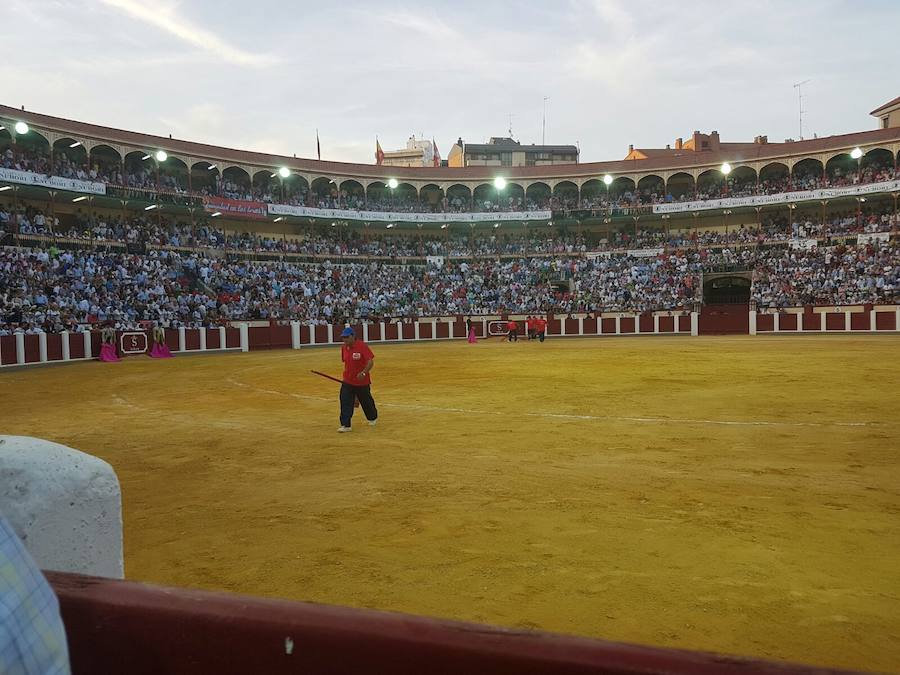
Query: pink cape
160, 351
472, 338
108, 353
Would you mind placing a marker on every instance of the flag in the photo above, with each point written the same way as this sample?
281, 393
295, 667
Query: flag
318, 145
379, 153
437, 155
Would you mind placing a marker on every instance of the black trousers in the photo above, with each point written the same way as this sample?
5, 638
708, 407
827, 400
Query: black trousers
363, 394
541, 335
513, 336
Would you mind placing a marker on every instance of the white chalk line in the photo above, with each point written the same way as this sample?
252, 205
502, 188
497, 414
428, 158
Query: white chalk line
566, 416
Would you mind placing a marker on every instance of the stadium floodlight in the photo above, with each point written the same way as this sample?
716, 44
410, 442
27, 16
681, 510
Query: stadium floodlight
390, 225
216, 214
150, 208
5, 188
75, 144
608, 180
145, 157
21, 128
161, 156
79, 199
856, 153
392, 183
444, 226
500, 182
284, 172
278, 219
211, 167
725, 168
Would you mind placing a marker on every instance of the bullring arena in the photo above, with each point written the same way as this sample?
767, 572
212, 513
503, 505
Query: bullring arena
700, 456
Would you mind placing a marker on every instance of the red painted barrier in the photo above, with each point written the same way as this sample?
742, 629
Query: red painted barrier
608, 326
765, 323
32, 349
120, 626
646, 323
684, 323
390, 331
626, 324
374, 332
232, 337
212, 338
321, 334
425, 330
192, 339
171, 340
811, 321
409, 331
7, 349
834, 321
787, 322
589, 326
443, 330
259, 337
280, 336
885, 320
571, 326
859, 321
667, 324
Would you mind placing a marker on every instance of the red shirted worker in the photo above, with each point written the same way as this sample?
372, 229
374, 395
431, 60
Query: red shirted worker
513, 334
356, 384
540, 328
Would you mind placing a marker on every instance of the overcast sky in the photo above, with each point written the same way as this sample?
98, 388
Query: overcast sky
263, 75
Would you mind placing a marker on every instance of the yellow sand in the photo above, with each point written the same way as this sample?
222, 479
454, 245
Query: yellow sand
579, 485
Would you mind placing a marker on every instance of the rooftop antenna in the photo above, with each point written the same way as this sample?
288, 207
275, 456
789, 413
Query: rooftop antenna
544, 122
510, 124
798, 86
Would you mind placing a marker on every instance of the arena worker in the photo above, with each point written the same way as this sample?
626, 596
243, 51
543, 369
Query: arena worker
513, 334
356, 383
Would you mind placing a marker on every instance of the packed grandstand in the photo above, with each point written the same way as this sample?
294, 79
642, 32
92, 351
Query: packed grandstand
99, 225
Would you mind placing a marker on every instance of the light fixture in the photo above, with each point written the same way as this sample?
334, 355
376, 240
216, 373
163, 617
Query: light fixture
496, 225
608, 180
549, 223
392, 183
161, 156
862, 199
284, 172
856, 153
390, 225
145, 157
499, 182
79, 199
444, 226
725, 168
21, 128
278, 219
5, 188
150, 208
75, 144
211, 167
216, 214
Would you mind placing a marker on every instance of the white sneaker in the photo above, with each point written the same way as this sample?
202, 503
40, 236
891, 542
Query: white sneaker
344, 430
372, 422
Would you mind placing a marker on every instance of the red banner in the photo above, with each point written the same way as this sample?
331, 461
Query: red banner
235, 207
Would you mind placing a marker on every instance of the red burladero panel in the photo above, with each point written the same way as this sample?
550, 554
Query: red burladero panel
192, 338
374, 332
885, 320
443, 330
590, 325
571, 326
608, 326
304, 334
409, 331
834, 321
425, 330
54, 347
390, 331
812, 322
281, 336
667, 324
554, 326
321, 334
171, 340
212, 338
32, 349
684, 323
76, 345
765, 323
646, 323
787, 322
95, 342
626, 325
859, 321
232, 337
259, 337
8, 349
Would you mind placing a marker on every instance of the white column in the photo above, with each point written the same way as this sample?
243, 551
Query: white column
897, 318
312, 333
800, 322
330, 333
872, 320
656, 323
221, 337
752, 322
87, 344
20, 348
383, 334
399, 330
434, 323
365, 332
618, 325
581, 325
846, 320
202, 330
484, 330
416, 329
562, 326
637, 324
295, 334
245, 337
66, 354
42, 346
775, 326
822, 322
182, 343
695, 324
450, 329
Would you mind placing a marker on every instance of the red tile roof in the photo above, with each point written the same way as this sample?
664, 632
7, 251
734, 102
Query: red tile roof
685, 160
889, 104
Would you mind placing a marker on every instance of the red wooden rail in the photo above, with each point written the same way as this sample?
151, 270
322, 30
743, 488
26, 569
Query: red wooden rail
126, 627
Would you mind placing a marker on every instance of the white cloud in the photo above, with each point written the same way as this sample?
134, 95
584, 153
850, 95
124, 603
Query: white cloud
166, 19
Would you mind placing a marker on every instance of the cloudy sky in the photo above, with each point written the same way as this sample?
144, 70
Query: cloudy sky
263, 75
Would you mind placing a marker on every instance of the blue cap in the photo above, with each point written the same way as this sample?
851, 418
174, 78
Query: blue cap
347, 332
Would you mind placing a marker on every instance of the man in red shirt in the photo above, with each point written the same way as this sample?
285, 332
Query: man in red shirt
513, 334
540, 328
356, 384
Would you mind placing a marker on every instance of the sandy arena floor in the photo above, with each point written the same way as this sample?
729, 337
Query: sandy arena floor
731, 494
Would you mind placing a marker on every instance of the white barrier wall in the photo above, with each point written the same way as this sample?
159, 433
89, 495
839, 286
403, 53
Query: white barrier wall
65, 505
